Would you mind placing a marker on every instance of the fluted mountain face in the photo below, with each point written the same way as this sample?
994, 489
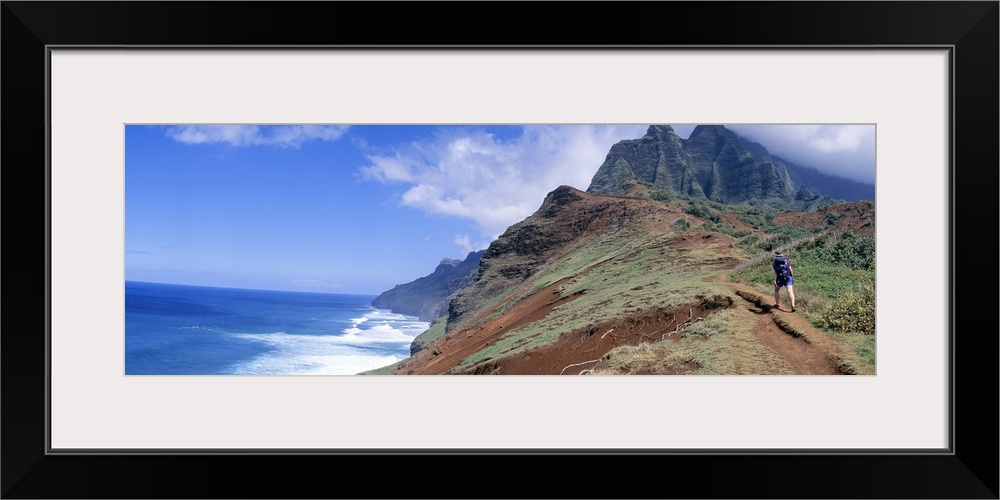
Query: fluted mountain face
713, 163
809, 180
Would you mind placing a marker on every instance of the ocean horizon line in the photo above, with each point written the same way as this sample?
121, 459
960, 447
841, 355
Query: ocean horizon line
252, 289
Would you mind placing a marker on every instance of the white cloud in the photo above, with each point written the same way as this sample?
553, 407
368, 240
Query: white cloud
470, 173
285, 136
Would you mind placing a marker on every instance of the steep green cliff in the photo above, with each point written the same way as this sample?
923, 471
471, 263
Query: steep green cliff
715, 164
428, 297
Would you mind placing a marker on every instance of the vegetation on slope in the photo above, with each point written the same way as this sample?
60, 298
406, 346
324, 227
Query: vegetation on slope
609, 277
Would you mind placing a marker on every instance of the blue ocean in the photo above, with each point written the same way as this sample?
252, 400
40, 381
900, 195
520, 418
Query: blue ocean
194, 330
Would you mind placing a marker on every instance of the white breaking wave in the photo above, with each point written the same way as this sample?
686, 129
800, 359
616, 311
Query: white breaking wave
357, 348
292, 354
379, 332
382, 314
347, 365
385, 326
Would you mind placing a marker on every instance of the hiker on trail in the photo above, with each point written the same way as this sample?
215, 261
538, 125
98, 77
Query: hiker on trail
782, 278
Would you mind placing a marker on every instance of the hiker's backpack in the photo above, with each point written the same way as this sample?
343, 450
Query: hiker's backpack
781, 266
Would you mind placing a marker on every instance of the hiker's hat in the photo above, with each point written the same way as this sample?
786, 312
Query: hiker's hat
777, 252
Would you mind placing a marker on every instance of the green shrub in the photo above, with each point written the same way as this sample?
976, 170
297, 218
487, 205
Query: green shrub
701, 210
857, 252
852, 312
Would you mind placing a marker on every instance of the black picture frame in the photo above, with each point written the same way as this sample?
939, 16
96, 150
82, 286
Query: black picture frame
969, 28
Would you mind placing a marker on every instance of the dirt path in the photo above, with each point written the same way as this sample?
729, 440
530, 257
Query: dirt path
804, 357
807, 349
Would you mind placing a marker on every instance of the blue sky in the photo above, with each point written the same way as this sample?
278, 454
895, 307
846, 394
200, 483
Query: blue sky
360, 209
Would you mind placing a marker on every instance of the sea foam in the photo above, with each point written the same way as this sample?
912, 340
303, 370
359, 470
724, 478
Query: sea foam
377, 339
293, 354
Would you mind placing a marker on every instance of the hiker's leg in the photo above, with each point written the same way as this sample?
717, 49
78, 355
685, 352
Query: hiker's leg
791, 295
776, 302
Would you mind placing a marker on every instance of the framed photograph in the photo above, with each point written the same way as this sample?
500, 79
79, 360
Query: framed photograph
90, 82
255, 250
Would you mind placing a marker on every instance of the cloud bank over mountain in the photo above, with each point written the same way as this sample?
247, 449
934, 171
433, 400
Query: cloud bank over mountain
843, 150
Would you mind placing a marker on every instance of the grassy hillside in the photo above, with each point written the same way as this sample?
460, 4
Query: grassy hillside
596, 284
629, 274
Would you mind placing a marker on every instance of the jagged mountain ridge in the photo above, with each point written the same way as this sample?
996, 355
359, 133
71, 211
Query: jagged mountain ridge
716, 164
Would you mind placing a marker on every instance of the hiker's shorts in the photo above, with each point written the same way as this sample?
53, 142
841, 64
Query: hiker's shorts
788, 282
